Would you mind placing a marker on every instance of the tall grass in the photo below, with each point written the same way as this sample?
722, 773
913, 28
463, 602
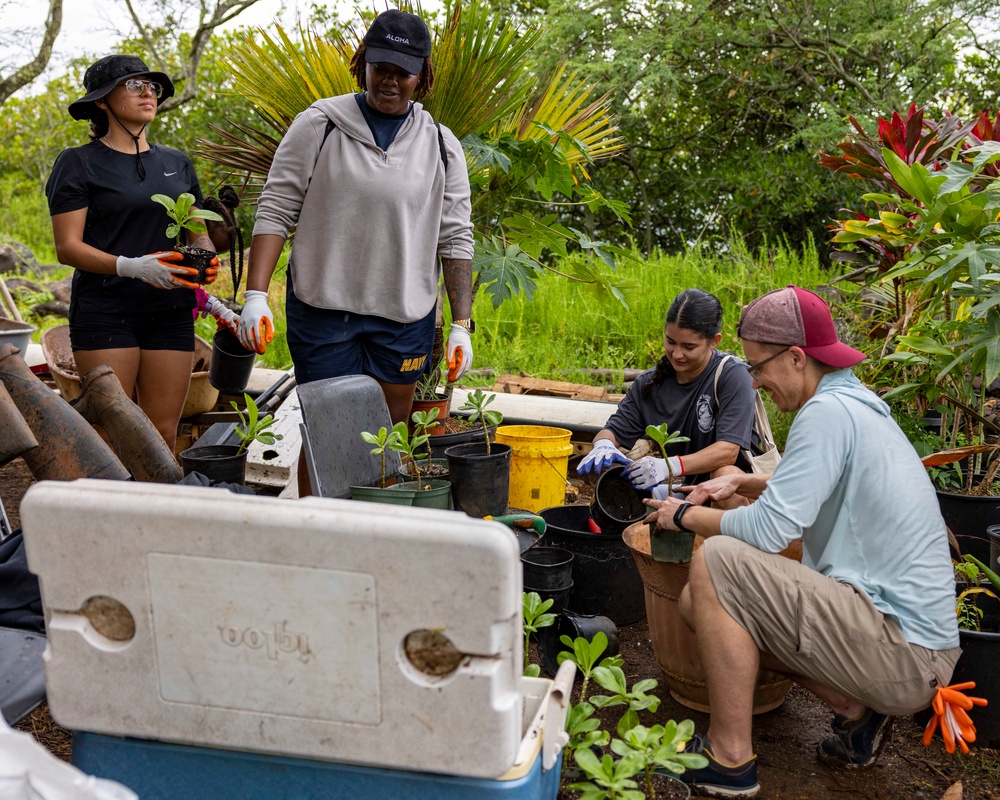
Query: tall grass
566, 328
24, 218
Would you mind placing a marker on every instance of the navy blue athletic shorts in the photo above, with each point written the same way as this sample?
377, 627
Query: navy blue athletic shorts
147, 330
331, 344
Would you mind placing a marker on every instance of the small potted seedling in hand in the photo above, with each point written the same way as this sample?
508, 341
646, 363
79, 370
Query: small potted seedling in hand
670, 547
184, 217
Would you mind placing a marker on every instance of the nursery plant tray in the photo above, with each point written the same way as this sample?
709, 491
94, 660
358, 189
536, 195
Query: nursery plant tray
198, 616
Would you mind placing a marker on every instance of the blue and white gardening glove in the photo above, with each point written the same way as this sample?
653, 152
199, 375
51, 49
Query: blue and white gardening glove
256, 322
155, 269
459, 352
603, 455
648, 472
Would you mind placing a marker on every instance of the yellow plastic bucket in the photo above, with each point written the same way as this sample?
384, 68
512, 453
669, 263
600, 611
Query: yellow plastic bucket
538, 462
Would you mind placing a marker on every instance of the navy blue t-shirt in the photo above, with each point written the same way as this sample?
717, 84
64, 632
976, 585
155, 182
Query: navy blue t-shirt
384, 127
121, 219
692, 409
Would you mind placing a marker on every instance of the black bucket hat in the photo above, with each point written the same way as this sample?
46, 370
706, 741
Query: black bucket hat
103, 76
396, 37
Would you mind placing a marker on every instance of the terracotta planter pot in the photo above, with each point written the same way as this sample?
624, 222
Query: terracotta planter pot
441, 404
674, 645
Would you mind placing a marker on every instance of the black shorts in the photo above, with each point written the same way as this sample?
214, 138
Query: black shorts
330, 344
150, 330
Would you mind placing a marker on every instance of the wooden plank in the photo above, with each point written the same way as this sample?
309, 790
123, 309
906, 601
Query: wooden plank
518, 384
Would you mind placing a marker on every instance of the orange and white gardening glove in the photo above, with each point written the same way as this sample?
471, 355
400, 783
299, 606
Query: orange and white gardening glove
951, 709
157, 269
208, 305
256, 322
459, 352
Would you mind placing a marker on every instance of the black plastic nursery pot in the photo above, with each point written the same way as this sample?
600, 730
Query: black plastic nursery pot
606, 579
617, 504
480, 482
968, 517
441, 442
547, 569
979, 662
220, 463
197, 258
231, 364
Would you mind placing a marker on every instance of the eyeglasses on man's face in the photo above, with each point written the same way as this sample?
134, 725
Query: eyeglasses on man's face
134, 86
756, 368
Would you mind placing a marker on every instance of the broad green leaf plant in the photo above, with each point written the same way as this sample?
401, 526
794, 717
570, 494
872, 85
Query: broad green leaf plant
659, 747
385, 439
182, 217
476, 402
587, 655
663, 437
636, 699
535, 616
252, 427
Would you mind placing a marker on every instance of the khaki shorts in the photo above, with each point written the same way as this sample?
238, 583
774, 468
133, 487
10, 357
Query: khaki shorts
825, 629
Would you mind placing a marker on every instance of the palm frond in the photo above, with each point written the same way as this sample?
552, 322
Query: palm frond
478, 63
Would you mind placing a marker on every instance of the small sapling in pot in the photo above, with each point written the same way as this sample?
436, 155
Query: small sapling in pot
184, 217
253, 427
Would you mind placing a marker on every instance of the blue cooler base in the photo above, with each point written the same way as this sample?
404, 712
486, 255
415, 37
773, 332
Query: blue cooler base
157, 770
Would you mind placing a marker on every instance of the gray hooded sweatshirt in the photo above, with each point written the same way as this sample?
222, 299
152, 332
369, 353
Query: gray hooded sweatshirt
852, 486
370, 224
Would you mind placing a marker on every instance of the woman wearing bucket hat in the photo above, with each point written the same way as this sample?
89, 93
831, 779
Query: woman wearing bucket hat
379, 195
131, 305
703, 394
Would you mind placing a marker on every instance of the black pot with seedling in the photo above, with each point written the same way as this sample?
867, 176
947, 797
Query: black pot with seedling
184, 217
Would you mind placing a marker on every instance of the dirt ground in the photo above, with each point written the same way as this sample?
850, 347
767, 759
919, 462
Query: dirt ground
785, 738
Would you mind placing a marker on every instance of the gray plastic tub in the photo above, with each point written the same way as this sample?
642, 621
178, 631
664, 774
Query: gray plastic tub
16, 333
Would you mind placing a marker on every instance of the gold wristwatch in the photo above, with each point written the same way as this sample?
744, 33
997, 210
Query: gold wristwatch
468, 324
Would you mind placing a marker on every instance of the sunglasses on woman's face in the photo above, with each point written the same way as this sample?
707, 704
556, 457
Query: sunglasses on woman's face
134, 86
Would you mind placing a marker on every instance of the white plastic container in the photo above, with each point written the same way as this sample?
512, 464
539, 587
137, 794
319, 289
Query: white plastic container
200, 616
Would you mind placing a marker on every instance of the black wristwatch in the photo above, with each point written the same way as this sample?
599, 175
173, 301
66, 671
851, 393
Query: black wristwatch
678, 517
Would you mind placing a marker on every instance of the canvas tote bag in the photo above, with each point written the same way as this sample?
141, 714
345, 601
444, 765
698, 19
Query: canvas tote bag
767, 461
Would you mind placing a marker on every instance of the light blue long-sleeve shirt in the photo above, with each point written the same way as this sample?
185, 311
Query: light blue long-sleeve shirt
852, 486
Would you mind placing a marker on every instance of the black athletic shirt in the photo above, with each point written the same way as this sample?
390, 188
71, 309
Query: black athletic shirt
691, 409
121, 219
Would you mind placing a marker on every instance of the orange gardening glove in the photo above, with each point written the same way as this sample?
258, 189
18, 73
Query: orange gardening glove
951, 709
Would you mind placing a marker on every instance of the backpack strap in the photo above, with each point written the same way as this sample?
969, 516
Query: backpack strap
441, 148
330, 125
761, 424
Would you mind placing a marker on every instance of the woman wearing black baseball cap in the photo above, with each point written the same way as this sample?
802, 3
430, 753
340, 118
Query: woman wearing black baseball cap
379, 196
131, 305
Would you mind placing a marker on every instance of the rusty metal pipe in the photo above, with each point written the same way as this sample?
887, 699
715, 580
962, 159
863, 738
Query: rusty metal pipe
15, 436
68, 447
134, 438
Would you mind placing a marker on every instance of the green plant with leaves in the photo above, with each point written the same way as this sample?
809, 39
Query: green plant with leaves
659, 747
535, 616
409, 445
586, 654
422, 421
252, 427
636, 699
610, 779
476, 402
584, 729
184, 217
970, 573
385, 439
663, 437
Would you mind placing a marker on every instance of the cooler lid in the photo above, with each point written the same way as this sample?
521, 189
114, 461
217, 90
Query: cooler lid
323, 628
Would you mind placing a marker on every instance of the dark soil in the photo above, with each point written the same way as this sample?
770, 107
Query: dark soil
785, 739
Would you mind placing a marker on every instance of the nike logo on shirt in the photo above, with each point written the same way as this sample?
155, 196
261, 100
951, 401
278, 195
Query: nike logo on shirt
168, 174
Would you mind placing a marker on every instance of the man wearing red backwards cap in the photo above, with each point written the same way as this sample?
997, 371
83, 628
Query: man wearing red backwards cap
867, 620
